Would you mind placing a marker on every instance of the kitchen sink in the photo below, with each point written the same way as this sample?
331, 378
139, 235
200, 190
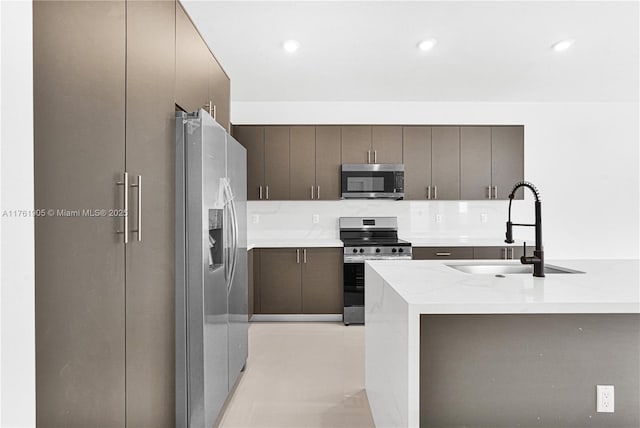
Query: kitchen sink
508, 269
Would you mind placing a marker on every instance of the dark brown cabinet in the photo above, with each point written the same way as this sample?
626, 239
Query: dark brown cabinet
441, 162
252, 138
475, 163
291, 162
322, 286
445, 162
504, 253
465, 253
328, 163
219, 93
276, 162
303, 162
192, 64
507, 160
436, 253
297, 280
79, 154
279, 283
105, 94
416, 148
371, 144
491, 161
356, 144
200, 81
150, 154
315, 162
386, 144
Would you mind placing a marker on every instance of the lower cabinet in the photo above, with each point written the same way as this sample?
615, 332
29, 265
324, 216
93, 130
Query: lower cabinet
465, 253
436, 253
504, 253
297, 280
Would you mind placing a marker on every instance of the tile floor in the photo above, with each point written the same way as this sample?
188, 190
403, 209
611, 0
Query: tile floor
301, 375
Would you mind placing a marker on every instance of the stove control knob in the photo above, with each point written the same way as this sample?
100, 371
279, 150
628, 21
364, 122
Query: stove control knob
400, 250
377, 250
393, 250
355, 250
362, 250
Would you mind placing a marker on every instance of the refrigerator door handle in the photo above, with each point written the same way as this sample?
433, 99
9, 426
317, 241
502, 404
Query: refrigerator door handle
236, 239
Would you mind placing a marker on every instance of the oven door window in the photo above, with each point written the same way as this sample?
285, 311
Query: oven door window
353, 284
368, 182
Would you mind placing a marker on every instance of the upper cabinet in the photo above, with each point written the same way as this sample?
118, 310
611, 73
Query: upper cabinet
445, 163
291, 162
441, 162
416, 151
507, 160
491, 161
200, 80
328, 163
276, 162
371, 144
192, 64
219, 93
386, 144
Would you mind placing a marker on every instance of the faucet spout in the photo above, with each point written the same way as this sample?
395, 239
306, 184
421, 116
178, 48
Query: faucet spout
538, 254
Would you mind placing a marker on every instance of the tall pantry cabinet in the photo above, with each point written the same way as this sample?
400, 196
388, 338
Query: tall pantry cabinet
104, 100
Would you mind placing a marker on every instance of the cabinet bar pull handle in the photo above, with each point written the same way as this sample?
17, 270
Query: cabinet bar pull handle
298, 255
125, 184
504, 253
511, 251
443, 254
318, 193
435, 192
311, 192
267, 192
260, 191
428, 192
489, 189
368, 156
138, 229
375, 156
495, 192
304, 255
214, 111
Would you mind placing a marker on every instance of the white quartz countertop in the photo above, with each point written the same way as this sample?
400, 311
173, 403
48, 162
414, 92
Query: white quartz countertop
294, 243
607, 286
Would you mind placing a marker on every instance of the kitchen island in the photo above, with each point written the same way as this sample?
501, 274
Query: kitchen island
447, 348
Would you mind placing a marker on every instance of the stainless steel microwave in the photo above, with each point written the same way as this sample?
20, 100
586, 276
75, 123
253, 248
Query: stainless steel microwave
372, 181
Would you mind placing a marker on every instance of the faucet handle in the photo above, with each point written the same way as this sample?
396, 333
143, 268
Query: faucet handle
524, 249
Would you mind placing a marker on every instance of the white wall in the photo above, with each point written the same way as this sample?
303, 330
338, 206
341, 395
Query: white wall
17, 315
584, 158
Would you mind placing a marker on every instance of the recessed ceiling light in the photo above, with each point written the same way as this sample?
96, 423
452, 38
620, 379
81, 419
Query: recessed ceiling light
427, 45
291, 45
562, 45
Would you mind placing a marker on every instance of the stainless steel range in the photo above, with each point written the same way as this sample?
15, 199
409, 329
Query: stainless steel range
366, 238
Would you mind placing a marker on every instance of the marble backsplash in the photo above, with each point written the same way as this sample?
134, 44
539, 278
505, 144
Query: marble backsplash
416, 219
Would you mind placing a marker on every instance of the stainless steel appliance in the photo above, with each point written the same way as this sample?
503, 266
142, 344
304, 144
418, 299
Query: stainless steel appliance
372, 181
366, 238
211, 268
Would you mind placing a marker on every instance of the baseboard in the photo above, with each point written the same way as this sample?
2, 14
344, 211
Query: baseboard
296, 318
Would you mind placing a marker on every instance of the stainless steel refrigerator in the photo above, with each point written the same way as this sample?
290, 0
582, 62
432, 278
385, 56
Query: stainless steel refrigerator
211, 267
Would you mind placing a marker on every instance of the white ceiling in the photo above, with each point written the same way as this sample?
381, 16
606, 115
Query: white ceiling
366, 50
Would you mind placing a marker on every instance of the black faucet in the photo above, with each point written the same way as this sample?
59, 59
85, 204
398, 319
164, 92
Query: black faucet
538, 254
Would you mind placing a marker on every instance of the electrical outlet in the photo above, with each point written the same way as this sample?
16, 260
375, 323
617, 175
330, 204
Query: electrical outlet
438, 218
605, 399
315, 218
255, 218
484, 218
